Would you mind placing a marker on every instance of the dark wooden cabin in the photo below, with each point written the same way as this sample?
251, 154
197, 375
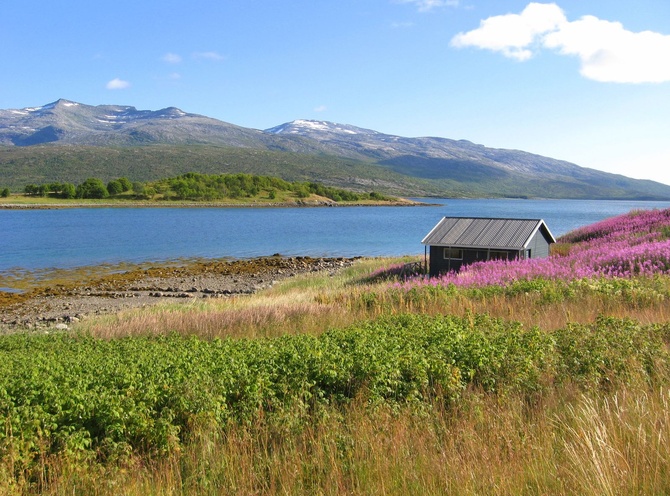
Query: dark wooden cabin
458, 241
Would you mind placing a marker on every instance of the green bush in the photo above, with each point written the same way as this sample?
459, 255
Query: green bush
126, 185
76, 394
114, 187
92, 188
68, 191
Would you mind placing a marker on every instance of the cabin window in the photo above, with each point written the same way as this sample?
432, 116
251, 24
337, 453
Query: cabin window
498, 255
453, 254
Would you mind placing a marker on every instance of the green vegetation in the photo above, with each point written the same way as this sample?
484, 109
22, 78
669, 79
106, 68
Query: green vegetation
78, 394
48, 164
193, 186
199, 187
58, 190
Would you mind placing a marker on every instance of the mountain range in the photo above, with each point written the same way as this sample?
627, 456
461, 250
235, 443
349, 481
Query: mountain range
69, 141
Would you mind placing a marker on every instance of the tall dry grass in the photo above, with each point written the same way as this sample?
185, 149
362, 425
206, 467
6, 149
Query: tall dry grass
565, 444
313, 303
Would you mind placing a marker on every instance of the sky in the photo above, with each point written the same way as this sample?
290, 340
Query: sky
582, 81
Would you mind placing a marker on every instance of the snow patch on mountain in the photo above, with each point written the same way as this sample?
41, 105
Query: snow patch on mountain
307, 127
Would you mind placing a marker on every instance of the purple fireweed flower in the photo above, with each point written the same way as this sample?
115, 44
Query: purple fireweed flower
628, 245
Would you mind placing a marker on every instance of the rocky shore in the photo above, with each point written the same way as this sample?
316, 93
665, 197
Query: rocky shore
61, 305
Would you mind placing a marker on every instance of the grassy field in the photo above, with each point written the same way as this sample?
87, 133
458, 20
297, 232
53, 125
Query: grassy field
358, 382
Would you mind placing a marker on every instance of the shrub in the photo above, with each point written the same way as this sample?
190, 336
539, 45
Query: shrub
68, 191
126, 185
92, 188
114, 187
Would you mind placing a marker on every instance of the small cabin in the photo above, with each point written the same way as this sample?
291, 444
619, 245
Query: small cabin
458, 241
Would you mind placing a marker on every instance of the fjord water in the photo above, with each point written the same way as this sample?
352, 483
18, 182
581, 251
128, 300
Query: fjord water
66, 238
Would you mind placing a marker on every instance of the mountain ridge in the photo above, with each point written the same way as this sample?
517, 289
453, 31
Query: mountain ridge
445, 166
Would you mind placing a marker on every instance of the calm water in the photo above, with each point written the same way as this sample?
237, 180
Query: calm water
41, 239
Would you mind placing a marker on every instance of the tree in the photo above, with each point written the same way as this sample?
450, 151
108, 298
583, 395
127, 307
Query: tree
5, 193
44, 189
139, 189
31, 189
68, 191
114, 187
301, 190
92, 188
125, 184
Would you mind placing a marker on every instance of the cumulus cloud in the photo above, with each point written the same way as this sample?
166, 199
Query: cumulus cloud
606, 50
514, 34
172, 58
213, 56
117, 84
426, 5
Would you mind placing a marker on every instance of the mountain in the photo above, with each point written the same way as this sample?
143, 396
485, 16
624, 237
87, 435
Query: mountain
78, 138
70, 123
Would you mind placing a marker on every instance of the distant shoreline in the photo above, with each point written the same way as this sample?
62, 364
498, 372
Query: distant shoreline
144, 204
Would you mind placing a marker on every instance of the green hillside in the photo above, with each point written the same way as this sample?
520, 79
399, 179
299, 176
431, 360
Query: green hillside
20, 166
404, 176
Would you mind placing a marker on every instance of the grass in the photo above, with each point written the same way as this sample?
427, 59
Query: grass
282, 199
590, 417
581, 444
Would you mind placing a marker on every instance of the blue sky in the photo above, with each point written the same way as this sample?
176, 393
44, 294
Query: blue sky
583, 81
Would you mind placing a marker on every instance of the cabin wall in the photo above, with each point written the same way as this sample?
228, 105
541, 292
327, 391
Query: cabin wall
539, 246
441, 265
438, 264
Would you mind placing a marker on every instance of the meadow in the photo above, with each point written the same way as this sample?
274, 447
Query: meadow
522, 377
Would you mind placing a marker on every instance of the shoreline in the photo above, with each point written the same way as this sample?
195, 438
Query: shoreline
59, 303
147, 204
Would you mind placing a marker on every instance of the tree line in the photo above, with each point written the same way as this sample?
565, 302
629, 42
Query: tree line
197, 187
91, 188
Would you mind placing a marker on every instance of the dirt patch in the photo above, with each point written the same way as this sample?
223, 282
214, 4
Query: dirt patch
61, 304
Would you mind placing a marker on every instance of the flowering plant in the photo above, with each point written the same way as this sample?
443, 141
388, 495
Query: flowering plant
637, 243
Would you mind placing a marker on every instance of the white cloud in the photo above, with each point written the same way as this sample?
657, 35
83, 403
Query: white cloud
117, 84
214, 56
426, 5
607, 51
610, 53
513, 34
172, 58
321, 108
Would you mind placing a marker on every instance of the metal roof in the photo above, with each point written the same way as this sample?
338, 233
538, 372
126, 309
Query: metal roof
481, 232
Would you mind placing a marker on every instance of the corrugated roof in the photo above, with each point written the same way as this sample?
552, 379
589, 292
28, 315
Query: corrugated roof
479, 232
